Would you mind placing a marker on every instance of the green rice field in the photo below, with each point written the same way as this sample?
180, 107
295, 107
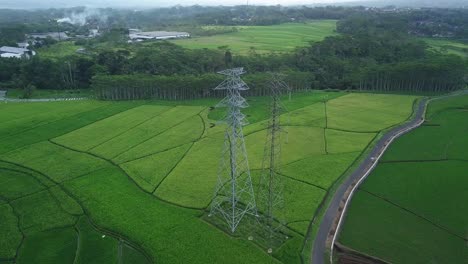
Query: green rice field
130, 182
411, 208
277, 38
448, 46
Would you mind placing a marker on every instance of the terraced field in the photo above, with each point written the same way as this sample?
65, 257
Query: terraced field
276, 38
100, 182
412, 208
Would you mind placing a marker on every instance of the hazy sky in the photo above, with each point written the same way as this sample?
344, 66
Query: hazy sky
147, 3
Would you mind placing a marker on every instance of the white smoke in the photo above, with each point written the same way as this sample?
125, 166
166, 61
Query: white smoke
80, 18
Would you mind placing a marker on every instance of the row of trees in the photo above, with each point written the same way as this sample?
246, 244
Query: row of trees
182, 87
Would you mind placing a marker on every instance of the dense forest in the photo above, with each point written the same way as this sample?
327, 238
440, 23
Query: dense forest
375, 50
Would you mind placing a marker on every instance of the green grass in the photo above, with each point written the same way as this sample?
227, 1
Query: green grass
108, 193
443, 139
299, 143
100, 132
39, 212
448, 46
54, 128
150, 171
58, 50
343, 142
16, 184
368, 112
321, 170
141, 134
53, 246
277, 38
185, 132
425, 191
94, 247
174, 150
10, 236
410, 208
383, 230
21, 117
49, 158
194, 189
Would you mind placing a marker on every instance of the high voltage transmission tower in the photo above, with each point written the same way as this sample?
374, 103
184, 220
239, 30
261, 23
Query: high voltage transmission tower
234, 194
270, 197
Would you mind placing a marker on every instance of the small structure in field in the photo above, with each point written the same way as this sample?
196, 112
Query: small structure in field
136, 36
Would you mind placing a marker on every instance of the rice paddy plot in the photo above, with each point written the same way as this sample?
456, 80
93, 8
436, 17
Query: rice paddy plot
383, 230
298, 143
436, 106
300, 200
179, 161
430, 189
40, 212
313, 115
276, 38
14, 184
102, 131
94, 247
448, 46
150, 171
107, 193
320, 170
185, 132
49, 159
368, 112
51, 246
61, 126
24, 116
192, 182
147, 130
444, 137
343, 141
10, 235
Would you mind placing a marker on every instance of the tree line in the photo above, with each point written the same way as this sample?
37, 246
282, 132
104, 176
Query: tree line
373, 52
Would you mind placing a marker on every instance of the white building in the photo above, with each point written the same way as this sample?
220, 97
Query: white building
14, 52
156, 35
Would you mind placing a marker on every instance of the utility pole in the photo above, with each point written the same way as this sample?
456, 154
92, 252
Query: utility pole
234, 196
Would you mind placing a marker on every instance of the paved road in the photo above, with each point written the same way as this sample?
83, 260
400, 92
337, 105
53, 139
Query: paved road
360, 173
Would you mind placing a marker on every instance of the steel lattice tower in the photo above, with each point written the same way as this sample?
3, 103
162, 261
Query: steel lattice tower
271, 187
234, 194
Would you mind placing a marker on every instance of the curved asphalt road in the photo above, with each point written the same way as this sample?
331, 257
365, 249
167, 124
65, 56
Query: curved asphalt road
357, 176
